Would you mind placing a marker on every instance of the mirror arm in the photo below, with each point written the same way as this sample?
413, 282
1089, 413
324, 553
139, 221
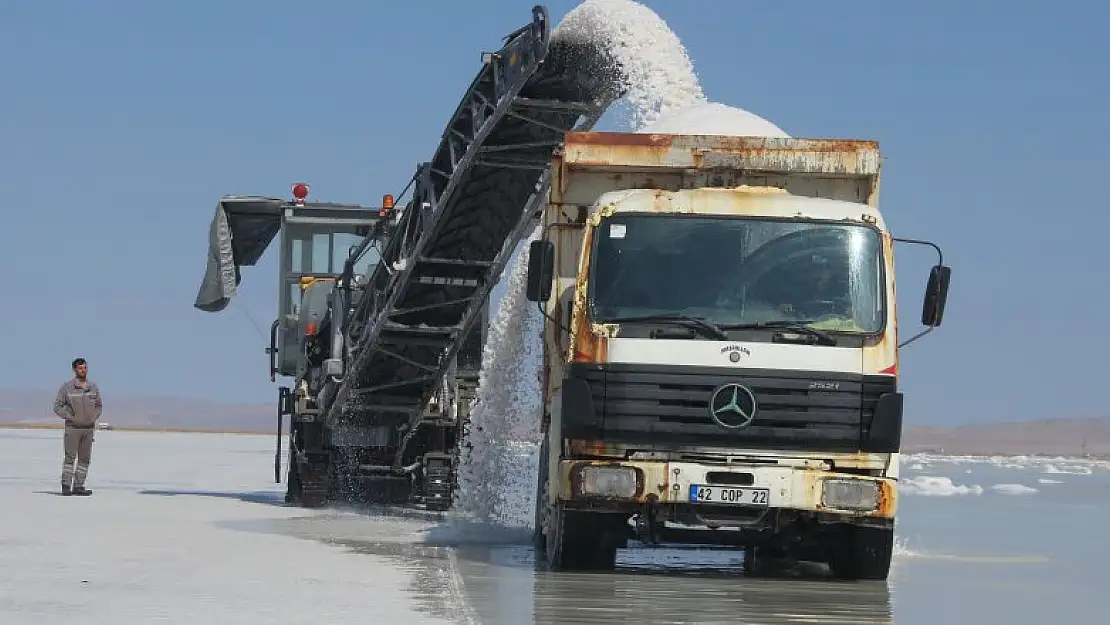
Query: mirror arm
916, 336
539, 307
940, 254
940, 262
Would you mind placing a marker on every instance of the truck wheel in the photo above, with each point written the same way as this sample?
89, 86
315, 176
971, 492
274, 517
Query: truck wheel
760, 559
576, 541
539, 542
863, 553
311, 486
751, 562
292, 480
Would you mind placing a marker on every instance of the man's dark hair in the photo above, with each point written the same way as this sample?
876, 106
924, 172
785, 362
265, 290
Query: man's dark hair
77, 361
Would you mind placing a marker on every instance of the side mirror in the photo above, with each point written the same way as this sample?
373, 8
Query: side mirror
541, 270
936, 295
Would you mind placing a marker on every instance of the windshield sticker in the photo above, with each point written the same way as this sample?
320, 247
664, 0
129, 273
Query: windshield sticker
616, 231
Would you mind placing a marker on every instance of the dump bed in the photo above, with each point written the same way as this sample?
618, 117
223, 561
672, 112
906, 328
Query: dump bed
592, 163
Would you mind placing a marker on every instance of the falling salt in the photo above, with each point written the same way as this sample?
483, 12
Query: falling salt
658, 74
492, 471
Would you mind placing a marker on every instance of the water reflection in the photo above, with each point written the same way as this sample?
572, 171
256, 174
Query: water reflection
501, 585
662, 598
661, 586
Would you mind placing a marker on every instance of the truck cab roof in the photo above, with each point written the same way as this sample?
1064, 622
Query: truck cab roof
746, 200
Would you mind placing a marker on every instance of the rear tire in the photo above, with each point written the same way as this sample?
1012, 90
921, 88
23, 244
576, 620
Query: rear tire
292, 480
751, 560
862, 553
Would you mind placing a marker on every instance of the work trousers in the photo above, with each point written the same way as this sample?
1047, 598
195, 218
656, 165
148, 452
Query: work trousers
78, 442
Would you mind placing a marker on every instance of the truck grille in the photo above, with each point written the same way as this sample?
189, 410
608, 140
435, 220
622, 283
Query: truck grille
670, 405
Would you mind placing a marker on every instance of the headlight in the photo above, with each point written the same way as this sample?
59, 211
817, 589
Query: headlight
850, 494
615, 482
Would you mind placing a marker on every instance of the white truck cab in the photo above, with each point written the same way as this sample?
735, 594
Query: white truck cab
721, 350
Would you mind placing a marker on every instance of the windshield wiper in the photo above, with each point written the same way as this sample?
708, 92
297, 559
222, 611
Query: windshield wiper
786, 324
708, 328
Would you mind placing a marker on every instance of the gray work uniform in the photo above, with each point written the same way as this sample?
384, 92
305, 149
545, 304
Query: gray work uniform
80, 406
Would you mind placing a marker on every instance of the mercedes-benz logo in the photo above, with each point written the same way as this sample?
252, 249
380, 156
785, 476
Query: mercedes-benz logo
732, 406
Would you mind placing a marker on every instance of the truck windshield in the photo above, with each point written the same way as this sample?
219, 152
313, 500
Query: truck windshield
738, 271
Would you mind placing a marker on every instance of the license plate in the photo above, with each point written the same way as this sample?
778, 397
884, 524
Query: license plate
735, 495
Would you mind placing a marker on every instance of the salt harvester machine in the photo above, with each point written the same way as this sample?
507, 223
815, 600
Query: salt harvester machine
382, 311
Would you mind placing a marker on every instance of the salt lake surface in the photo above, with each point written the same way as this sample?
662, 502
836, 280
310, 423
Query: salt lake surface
183, 528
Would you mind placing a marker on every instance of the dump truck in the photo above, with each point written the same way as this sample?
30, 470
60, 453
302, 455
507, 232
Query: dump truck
382, 310
720, 350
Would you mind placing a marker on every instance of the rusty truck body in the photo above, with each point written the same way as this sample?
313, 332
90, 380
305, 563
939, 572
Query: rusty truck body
720, 350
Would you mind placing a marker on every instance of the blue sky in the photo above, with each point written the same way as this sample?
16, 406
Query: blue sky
122, 123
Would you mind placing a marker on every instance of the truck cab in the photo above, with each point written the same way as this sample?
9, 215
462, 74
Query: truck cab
721, 350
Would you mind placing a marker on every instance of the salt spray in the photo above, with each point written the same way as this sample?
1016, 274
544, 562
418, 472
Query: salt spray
492, 472
497, 478
658, 74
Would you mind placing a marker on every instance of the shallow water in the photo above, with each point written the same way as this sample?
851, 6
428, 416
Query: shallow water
977, 558
981, 558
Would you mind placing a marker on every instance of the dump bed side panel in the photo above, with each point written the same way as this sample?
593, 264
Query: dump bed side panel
593, 163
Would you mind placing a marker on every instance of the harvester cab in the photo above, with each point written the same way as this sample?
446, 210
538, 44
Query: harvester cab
318, 240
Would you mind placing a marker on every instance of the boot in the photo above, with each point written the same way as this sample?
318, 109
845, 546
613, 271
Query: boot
81, 490
66, 490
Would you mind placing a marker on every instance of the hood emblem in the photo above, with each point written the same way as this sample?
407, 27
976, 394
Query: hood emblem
733, 406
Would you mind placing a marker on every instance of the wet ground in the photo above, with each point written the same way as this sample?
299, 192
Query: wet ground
188, 530
502, 588
975, 559
500, 583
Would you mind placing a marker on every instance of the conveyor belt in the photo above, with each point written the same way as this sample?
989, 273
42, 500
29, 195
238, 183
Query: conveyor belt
472, 203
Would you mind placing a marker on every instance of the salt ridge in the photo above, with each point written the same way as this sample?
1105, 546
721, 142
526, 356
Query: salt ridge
1047, 464
1013, 489
932, 486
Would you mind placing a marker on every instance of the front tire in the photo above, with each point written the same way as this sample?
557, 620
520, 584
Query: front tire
576, 541
863, 553
569, 539
539, 542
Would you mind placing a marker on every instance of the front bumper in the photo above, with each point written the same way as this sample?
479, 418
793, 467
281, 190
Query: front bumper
625, 485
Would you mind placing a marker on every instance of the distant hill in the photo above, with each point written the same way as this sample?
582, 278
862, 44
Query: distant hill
1053, 437
35, 406
1043, 436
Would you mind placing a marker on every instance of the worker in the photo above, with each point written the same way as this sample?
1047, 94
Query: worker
79, 404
